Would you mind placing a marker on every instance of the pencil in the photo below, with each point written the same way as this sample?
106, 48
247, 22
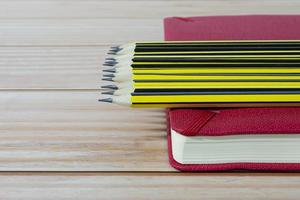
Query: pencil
143, 65
206, 45
201, 78
168, 100
130, 87
240, 52
119, 74
204, 58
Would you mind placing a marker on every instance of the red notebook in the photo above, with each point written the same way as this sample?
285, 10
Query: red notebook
219, 132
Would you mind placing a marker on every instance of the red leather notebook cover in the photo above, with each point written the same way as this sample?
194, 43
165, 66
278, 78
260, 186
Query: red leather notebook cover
238, 120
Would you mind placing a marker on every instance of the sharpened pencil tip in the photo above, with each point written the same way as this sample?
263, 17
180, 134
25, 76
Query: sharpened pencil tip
110, 59
115, 49
109, 65
108, 92
111, 62
107, 79
108, 100
113, 87
112, 51
109, 75
109, 70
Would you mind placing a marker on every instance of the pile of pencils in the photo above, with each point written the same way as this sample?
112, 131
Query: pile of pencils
204, 73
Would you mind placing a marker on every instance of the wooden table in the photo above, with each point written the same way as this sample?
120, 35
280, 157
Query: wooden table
58, 142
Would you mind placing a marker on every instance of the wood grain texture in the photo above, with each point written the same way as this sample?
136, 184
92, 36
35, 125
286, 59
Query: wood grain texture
71, 131
139, 9
51, 67
78, 32
59, 23
149, 186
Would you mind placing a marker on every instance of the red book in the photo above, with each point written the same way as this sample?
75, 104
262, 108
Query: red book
237, 138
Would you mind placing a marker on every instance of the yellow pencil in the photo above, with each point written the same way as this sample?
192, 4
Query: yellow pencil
130, 87
219, 70
208, 45
120, 75
140, 77
206, 100
214, 85
270, 52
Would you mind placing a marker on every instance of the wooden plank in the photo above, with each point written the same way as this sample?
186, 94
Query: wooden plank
57, 32
107, 22
64, 9
71, 131
148, 186
51, 67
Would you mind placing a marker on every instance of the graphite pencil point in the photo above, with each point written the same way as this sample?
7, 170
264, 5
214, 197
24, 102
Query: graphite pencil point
109, 70
116, 50
108, 93
108, 64
109, 75
113, 50
113, 87
110, 59
111, 62
111, 53
107, 79
108, 100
